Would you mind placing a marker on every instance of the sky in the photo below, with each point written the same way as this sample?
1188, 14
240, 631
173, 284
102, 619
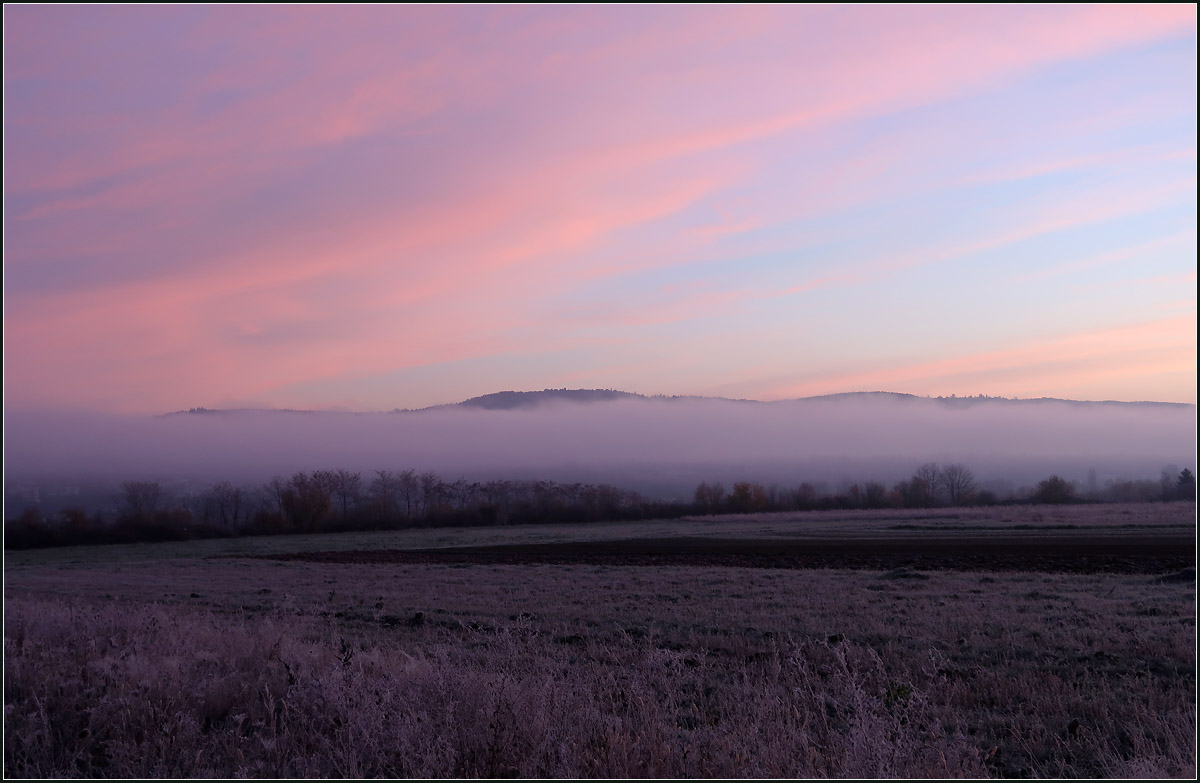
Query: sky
373, 208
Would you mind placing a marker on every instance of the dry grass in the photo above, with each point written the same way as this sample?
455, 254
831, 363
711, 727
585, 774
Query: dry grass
167, 694
256, 668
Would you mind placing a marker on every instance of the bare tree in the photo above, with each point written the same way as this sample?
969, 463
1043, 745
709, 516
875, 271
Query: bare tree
610, 500
431, 493
229, 501
958, 482
346, 486
747, 496
383, 491
498, 495
874, 494
926, 484
202, 506
709, 497
457, 493
325, 480
306, 501
804, 496
276, 488
141, 498
408, 490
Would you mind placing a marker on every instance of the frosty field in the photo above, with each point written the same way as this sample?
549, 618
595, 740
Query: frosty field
192, 660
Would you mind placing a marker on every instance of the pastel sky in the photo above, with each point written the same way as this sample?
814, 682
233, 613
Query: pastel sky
371, 208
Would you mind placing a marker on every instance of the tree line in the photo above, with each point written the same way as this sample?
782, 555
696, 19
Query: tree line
931, 486
331, 501
342, 500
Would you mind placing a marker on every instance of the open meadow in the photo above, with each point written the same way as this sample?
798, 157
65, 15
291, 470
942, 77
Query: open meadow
1033, 641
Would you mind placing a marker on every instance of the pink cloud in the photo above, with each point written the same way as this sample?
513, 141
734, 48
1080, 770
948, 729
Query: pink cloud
166, 326
1078, 361
169, 327
314, 106
548, 135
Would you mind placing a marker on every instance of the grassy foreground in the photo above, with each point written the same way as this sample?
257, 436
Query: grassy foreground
175, 666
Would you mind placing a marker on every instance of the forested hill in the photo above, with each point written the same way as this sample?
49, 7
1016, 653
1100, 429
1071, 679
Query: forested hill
507, 400
516, 400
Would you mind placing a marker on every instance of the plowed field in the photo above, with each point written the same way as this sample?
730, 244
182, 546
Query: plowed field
1108, 552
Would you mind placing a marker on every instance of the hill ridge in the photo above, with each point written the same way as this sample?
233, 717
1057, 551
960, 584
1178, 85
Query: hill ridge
516, 400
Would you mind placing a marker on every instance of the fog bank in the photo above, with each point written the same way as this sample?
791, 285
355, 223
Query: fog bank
664, 445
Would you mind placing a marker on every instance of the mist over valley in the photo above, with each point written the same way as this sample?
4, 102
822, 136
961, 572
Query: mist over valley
659, 446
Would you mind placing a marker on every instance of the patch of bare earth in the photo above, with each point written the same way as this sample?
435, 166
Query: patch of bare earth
1133, 553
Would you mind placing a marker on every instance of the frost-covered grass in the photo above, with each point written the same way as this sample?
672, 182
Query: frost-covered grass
237, 668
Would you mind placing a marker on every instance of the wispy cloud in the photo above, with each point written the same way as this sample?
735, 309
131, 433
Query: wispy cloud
1066, 363
214, 203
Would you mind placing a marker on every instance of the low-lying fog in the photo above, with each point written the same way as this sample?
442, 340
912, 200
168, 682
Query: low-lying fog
662, 447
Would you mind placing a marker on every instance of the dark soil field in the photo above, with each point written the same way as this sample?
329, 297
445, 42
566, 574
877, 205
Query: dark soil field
1120, 552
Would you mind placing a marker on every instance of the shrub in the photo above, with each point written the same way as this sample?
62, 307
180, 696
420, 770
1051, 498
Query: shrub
1055, 489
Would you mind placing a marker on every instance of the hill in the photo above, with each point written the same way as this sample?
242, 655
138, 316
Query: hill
519, 400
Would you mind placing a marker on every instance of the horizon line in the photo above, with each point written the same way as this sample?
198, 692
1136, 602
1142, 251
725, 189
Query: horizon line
662, 396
